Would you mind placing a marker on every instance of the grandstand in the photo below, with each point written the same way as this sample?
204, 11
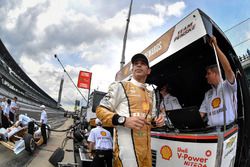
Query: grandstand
15, 82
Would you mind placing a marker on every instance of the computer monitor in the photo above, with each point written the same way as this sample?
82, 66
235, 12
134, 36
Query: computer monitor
97, 97
186, 118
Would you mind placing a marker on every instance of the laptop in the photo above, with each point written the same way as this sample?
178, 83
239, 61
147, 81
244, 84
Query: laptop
186, 118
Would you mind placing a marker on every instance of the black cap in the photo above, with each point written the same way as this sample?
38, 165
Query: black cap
140, 56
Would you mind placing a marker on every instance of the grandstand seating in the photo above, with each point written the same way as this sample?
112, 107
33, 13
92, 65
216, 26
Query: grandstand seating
15, 82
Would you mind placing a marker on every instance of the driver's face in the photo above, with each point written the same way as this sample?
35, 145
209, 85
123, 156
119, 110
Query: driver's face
140, 69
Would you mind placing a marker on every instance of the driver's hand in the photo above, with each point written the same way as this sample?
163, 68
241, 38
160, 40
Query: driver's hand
135, 122
160, 120
91, 156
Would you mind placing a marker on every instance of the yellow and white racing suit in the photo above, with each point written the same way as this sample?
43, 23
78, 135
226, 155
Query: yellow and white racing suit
132, 148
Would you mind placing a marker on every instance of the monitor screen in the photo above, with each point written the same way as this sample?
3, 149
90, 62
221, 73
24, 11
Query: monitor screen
186, 118
97, 97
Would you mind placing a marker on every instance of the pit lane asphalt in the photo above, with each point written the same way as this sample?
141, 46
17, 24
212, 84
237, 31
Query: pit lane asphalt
9, 159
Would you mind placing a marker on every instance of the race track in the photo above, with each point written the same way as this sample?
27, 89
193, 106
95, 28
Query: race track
8, 157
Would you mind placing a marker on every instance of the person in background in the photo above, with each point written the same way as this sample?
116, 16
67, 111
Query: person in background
101, 140
222, 92
168, 102
3, 102
2, 106
43, 121
6, 112
130, 108
1, 110
13, 109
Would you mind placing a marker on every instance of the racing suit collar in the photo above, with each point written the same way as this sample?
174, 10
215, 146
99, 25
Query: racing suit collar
142, 85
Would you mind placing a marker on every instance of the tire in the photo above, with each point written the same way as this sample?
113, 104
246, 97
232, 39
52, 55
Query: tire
78, 135
29, 142
57, 156
31, 127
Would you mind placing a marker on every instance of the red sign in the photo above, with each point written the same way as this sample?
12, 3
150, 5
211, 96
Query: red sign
84, 80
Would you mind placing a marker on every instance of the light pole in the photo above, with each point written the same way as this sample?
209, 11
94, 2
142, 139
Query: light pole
70, 78
60, 92
125, 37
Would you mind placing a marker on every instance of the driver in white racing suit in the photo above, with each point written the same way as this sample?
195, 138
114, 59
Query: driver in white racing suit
130, 108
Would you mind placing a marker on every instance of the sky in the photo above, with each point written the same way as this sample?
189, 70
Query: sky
87, 35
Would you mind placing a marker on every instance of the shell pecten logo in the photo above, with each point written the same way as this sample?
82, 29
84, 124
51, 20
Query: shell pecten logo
216, 102
166, 152
103, 133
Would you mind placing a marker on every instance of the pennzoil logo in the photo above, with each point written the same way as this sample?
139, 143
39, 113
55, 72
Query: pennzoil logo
230, 142
103, 133
216, 102
166, 152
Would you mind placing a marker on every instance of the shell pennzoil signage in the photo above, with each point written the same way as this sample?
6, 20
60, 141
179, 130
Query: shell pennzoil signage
84, 80
229, 150
184, 154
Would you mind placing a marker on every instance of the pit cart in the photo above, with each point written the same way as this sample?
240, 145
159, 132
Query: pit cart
179, 57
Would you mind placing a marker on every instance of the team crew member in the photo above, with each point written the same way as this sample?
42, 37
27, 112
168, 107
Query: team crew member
212, 104
13, 109
6, 115
1, 110
43, 121
130, 107
169, 102
101, 139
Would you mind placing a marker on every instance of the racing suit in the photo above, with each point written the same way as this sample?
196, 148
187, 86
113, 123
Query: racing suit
130, 98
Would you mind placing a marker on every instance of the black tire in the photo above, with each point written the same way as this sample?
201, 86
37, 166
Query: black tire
31, 127
78, 135
29, 142
57, 156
